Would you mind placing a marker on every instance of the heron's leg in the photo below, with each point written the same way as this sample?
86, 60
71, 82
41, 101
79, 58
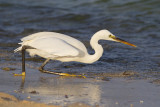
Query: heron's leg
56, 73
42, 66
23, 59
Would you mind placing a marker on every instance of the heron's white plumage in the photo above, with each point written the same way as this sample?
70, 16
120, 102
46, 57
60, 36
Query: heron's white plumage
66, 38
53, 46
56, 46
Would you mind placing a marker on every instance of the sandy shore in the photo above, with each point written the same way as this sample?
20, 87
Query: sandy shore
7, 100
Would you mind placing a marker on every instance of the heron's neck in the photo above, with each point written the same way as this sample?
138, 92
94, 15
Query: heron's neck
97, 48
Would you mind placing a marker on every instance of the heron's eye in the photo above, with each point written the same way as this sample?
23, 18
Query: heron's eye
110, 36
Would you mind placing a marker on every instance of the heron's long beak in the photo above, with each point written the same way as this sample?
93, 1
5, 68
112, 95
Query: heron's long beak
122, 41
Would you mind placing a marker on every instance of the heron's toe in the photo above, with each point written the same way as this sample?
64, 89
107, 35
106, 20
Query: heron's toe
23, 74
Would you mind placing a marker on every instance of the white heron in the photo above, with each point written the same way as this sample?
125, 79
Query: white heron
56, 46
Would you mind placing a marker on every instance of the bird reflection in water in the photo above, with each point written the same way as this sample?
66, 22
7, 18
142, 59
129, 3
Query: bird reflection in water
53, 90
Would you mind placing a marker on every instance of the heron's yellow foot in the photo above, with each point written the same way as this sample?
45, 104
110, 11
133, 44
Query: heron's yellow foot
71, 75
23, 74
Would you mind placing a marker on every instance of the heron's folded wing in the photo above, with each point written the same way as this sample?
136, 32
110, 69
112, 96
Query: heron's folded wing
55, 46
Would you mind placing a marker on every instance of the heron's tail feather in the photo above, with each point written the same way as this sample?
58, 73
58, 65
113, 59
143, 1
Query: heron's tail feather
18, 49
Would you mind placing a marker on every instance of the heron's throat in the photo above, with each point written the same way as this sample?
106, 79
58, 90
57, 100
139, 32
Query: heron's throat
97, 48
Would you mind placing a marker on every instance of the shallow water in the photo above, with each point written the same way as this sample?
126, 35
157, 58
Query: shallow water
49, 89
136, 21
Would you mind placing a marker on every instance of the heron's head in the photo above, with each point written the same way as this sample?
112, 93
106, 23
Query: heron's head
107, 35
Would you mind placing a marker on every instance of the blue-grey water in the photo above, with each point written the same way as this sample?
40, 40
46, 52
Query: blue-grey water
136, 21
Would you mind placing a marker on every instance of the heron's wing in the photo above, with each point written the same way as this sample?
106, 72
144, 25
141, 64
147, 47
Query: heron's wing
54, 46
